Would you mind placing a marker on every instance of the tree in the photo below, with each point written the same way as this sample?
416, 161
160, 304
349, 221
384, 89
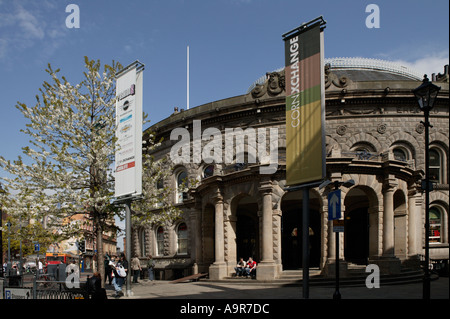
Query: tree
26, 234
71, 157
72, 131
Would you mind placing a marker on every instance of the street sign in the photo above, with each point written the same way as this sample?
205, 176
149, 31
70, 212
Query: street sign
18, 293
36, 247
334, 205
338, 226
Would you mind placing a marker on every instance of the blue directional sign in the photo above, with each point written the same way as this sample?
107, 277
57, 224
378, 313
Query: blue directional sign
334, 205
36, 247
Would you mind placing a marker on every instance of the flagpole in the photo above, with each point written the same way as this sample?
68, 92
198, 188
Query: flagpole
187, 88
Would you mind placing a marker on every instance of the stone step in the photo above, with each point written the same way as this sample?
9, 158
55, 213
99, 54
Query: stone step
357, 278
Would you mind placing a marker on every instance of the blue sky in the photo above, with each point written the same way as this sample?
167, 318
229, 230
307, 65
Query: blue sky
232, 43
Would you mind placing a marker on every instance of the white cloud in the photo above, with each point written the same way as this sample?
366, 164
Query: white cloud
32, 27
428, 64
29, 25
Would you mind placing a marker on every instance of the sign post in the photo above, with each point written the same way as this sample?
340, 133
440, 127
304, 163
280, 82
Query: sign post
334, 214
128, 153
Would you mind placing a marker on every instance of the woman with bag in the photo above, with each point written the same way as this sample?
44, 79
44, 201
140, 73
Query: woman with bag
120, 273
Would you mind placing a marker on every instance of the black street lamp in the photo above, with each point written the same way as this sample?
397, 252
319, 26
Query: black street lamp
426, 95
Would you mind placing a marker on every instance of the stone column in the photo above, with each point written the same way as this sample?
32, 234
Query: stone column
266, 270
218, 269
388, 263
414, 223
195, 239
219, 242
388, 222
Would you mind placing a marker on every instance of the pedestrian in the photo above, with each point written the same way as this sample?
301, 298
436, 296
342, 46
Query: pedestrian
120, 274
108, 269
95, 287
40, 267
136, 268
150, 267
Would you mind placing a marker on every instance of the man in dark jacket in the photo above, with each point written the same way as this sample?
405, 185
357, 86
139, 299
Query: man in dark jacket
95, 289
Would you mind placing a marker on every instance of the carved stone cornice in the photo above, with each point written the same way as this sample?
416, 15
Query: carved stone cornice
332, 78
273, 86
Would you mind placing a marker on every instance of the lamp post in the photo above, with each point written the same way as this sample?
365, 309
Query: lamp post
426, 95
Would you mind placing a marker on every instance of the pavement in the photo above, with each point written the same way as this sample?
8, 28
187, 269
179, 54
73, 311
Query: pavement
240, 290
252, 299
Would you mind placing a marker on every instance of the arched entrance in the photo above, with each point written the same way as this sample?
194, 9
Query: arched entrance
291, 226
356, 231
247, 228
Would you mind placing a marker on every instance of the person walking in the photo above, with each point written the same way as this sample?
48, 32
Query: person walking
120, 274
108, 269
95, 289
136, 268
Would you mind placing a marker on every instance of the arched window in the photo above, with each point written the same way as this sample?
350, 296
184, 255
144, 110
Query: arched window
435, 166
208, 171
160, 241
400, 154
182, 183
435, 225
182, 238
363, 151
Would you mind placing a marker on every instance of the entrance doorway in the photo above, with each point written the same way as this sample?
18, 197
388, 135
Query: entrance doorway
291, 232
247, 229
356, 231
356, 236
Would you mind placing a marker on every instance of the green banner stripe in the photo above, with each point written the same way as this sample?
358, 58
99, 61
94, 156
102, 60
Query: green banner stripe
305, 97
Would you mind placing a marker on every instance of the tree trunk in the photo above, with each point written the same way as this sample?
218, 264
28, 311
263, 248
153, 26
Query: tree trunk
100, 256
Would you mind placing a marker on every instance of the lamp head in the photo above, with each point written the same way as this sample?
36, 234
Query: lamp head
426, 94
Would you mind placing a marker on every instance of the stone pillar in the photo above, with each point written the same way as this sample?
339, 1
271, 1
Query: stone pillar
266, 270
195, 239
388, 263
414, 228
388, 222
218, 269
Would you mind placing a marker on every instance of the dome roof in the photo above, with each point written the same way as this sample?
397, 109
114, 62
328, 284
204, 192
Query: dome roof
362, 69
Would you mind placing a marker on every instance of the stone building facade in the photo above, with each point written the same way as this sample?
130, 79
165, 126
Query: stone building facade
374, 136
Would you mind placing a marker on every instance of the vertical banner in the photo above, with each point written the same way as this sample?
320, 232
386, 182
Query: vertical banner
128, 153
305, 105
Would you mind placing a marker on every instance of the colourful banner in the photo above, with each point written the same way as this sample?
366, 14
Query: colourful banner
305, 156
